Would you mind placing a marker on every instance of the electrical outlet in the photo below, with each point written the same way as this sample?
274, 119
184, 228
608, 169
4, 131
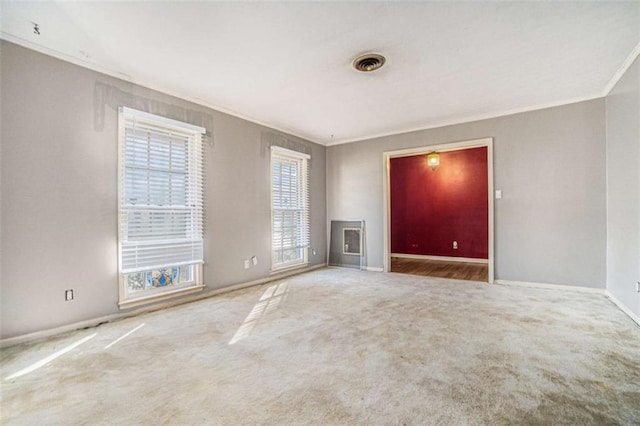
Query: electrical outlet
313, 252
455, 245
68, 295
254, 260
638, 286
247, 264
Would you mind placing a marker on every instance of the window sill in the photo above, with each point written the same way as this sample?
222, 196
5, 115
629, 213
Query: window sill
124, 304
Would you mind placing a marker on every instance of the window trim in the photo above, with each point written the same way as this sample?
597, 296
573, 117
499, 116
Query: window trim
164, 121
193, 286
306, 158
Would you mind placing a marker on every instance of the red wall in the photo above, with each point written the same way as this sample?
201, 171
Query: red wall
432, 208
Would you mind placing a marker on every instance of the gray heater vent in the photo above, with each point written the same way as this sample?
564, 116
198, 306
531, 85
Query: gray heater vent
347, 244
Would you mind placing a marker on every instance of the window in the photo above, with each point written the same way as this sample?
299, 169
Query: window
160, 205
289, 208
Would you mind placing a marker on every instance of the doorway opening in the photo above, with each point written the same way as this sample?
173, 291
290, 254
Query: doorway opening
439, 219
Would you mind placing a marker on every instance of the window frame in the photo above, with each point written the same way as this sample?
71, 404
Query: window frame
195, 284
304, 161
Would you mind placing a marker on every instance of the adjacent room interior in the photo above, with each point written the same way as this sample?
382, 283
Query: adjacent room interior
320, 212
439, 213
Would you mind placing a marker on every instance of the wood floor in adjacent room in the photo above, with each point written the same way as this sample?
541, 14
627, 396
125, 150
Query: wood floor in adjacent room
441, 269
340, 347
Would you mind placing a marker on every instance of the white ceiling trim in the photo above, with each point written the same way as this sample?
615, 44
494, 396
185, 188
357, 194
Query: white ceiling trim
126, 77
63, 56
479, 117
623, 68
468, 119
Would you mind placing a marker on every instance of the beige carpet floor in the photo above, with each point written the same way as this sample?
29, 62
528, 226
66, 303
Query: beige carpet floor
341, 346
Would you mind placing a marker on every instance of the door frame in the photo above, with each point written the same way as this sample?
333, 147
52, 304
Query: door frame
443, 147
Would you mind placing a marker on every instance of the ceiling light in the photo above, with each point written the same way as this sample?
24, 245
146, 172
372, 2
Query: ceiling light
369, 62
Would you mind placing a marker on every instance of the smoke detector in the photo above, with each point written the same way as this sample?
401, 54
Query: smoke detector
369, 62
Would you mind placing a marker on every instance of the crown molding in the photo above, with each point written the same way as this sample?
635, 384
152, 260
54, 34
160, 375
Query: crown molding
128, 78
462, 120
623, 68
473, 118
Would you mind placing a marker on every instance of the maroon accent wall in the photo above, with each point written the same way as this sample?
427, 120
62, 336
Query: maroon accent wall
432, 208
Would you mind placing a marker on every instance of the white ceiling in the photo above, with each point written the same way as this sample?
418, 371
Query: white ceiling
288, 65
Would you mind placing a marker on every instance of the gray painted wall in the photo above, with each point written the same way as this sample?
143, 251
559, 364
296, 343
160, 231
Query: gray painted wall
1, 45
623, 188
550, 225
58, 211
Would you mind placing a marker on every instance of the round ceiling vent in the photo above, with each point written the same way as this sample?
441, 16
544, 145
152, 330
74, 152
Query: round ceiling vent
369, 62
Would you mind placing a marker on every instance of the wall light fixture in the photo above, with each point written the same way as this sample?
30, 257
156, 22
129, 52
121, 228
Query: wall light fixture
433, 159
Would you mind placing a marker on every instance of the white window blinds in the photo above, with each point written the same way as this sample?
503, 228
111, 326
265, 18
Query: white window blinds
160, 192
289, 207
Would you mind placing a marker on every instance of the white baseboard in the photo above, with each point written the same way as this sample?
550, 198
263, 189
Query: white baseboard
577, 288
93, 322
36, 335
624, 308
443, 258
363, 268
635, 318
